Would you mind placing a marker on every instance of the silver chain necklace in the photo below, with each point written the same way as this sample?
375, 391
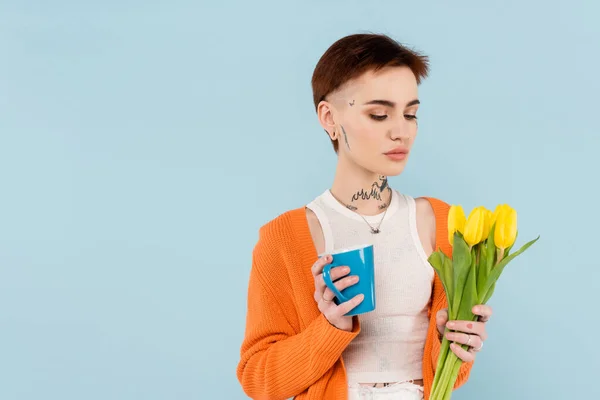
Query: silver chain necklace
373, 230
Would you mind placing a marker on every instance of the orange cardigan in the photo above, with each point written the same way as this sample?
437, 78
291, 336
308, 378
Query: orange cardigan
289, 348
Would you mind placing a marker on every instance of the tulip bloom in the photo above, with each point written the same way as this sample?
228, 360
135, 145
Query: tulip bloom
474, 228
488, 222
456, 222
506, 227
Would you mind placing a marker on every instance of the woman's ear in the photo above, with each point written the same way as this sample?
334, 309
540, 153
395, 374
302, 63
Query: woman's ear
326, 114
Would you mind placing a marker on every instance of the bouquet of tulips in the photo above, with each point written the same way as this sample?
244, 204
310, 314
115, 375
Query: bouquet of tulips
481, 248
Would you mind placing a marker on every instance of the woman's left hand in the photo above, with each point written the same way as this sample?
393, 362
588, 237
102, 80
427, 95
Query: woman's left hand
471, 333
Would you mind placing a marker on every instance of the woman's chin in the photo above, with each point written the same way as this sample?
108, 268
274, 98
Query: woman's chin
392, 170
385, 168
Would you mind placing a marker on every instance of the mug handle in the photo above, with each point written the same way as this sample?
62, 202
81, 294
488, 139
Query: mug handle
329, 282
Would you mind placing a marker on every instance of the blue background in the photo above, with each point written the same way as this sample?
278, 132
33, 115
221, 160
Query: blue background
143, 143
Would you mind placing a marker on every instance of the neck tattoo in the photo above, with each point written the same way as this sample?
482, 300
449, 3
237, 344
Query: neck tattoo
376, 189
375, 192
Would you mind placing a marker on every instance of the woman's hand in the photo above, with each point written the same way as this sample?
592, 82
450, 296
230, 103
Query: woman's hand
324, 296
471, 333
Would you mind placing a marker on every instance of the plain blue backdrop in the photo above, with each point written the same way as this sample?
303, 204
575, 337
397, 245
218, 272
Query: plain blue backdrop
143, 144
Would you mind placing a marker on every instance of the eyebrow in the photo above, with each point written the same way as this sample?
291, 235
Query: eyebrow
391, 103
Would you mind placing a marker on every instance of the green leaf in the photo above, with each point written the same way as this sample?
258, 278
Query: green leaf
469, 296
497, 270
461, 261
449, 284
443, 266
481, 267
491, 249
436, 260
489, 294
486, 262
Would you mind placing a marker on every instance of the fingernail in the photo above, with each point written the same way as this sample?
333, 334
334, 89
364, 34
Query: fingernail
355, 279
477, 309
450, 324
345, 270
361, 296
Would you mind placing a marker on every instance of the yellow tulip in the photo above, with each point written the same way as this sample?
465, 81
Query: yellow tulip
506, 226
488, 222
499, 208
474, 228
456, 222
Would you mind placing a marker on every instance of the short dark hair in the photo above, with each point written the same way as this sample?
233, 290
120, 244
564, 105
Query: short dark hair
353, 55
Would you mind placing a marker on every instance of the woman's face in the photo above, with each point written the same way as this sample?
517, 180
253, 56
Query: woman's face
374, 119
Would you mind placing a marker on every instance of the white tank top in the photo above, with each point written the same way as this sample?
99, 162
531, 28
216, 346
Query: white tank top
390, 345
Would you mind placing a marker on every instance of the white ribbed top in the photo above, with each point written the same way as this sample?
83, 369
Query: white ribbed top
390, 345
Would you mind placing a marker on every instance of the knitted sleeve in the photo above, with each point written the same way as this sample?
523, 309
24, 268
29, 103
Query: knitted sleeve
277, 361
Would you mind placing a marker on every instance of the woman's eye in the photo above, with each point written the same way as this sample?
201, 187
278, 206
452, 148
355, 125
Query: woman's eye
410, 116
378, 117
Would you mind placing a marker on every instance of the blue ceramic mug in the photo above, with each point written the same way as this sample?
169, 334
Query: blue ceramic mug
360, 261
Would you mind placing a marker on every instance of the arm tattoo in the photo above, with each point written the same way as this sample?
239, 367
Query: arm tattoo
351, 104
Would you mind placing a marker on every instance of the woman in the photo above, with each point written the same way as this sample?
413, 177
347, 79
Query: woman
298, 342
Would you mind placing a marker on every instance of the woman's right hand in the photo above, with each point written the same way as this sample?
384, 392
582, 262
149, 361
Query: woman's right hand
334, 313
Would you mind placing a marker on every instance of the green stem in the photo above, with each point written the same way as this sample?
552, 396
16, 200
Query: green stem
444, 375
445, 382
451, 370
455, 371
441, 360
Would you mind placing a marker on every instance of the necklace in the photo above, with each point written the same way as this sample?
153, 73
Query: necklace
373, 229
